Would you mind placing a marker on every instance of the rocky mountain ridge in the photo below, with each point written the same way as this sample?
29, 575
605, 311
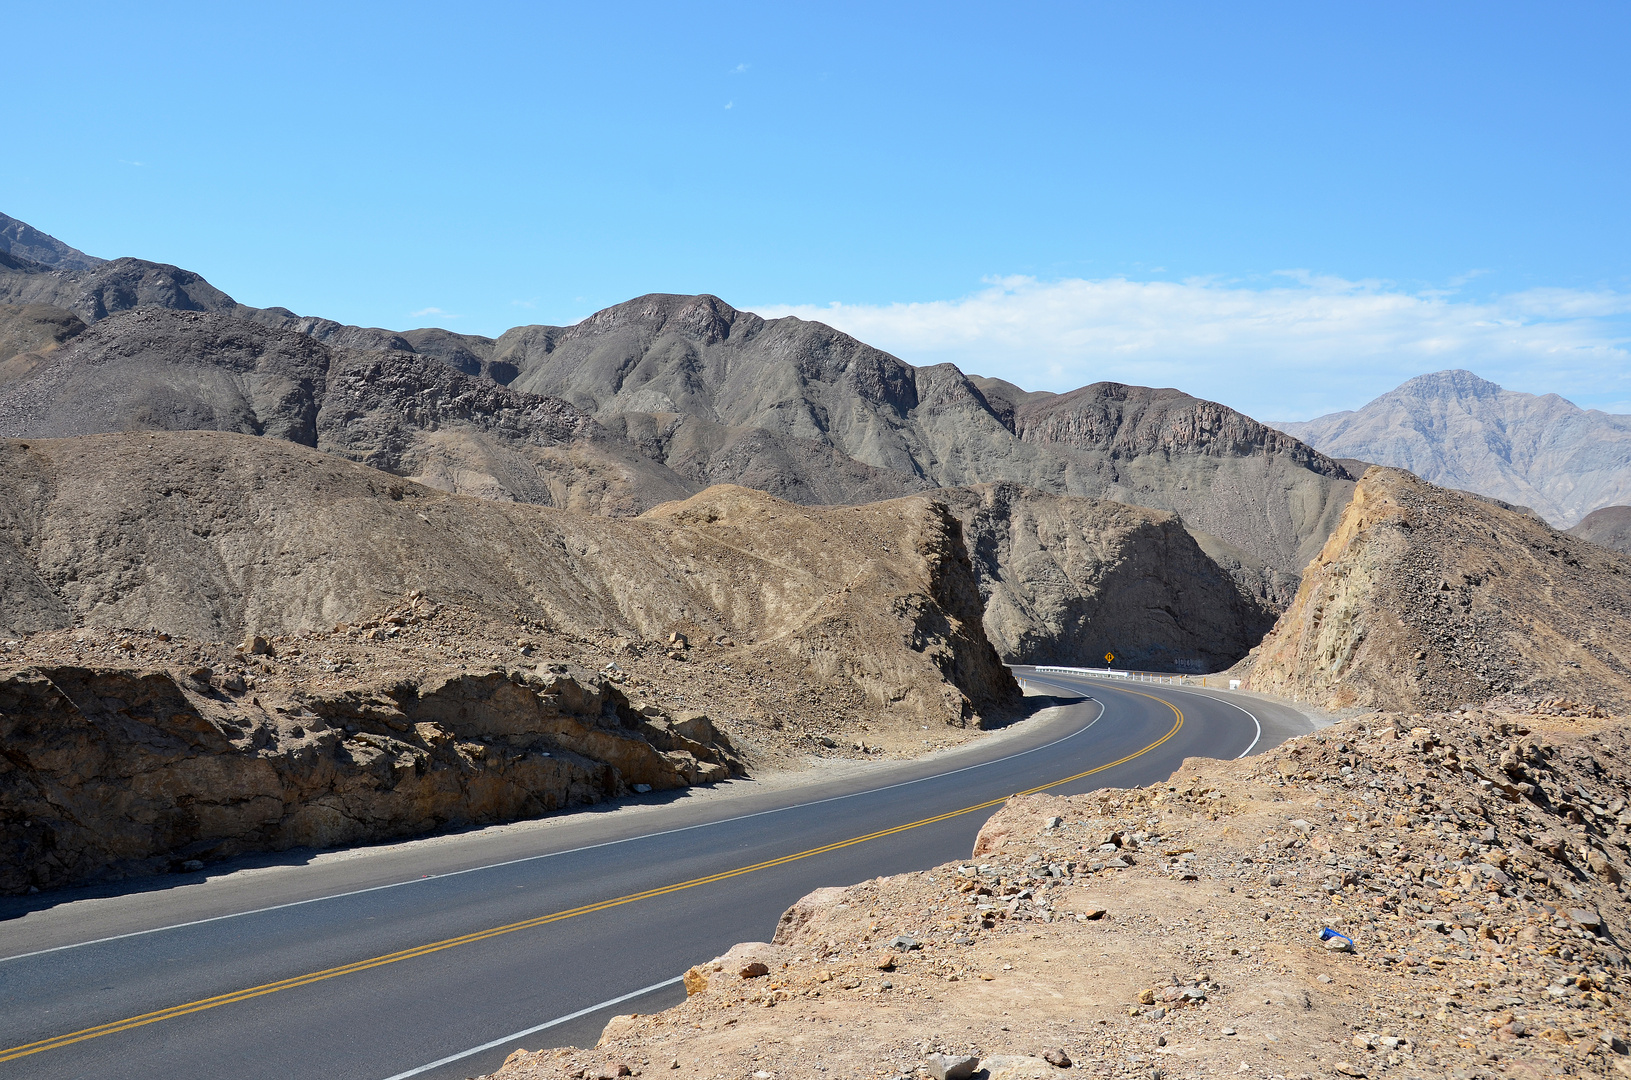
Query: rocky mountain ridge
1457, 430
690, 391
26, 244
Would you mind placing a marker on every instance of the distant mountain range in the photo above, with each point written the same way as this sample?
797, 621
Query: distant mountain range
1457, 430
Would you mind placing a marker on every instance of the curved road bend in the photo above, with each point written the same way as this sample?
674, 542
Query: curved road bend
379, 965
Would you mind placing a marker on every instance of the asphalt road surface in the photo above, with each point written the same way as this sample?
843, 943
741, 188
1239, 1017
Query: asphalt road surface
402, 960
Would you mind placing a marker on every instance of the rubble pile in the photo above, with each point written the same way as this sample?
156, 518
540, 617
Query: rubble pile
1396, 895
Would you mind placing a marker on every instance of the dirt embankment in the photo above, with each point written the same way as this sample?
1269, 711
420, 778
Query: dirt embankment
1430, 598
1471, 864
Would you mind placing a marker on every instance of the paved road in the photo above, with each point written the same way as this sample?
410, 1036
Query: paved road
381, 964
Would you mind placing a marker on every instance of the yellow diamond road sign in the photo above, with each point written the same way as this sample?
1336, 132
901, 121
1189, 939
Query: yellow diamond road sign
1109, 658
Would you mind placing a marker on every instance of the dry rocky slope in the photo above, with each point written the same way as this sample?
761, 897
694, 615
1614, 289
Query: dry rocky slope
1430, 598
415, 417
1455, 429
1471, 863
1608, 527
667, 370
214, 536
691, 392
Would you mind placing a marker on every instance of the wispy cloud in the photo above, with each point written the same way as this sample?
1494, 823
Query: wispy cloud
1286, 352
422, 312
730, 104
739, 69
138, 164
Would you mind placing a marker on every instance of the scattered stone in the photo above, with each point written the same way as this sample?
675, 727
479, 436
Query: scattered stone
951, 1066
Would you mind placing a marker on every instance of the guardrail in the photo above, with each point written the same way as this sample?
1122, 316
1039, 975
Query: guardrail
1213, 682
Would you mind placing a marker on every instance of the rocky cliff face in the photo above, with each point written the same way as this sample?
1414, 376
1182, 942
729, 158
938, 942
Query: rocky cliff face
1457, 430
1429, 598
1067, 580
110, 772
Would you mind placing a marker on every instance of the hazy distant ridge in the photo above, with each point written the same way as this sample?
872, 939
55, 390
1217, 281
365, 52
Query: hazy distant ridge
1457, 430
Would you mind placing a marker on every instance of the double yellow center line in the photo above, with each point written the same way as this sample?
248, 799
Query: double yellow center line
262, 990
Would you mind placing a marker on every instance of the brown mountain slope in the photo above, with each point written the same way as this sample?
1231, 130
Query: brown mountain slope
213, 535
1429, 598
709, 394
28, 332
1608, 527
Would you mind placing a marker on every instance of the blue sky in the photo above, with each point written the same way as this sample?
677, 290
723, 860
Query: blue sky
1287, 207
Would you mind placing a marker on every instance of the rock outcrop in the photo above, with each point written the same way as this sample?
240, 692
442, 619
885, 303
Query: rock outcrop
1067, 580
109, 772
1429, 598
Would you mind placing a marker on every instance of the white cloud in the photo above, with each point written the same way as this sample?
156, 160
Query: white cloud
422, 312
1287, 352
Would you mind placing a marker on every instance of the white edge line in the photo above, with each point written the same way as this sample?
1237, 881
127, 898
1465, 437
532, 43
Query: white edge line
539, 1027
554, 854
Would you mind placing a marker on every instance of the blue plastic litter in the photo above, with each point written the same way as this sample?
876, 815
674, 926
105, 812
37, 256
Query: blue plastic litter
1327, 934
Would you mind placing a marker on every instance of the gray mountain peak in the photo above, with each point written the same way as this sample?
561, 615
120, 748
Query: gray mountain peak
22, 240
1459, 430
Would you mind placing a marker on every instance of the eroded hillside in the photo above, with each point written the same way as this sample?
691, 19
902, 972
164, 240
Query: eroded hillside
1429, 598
